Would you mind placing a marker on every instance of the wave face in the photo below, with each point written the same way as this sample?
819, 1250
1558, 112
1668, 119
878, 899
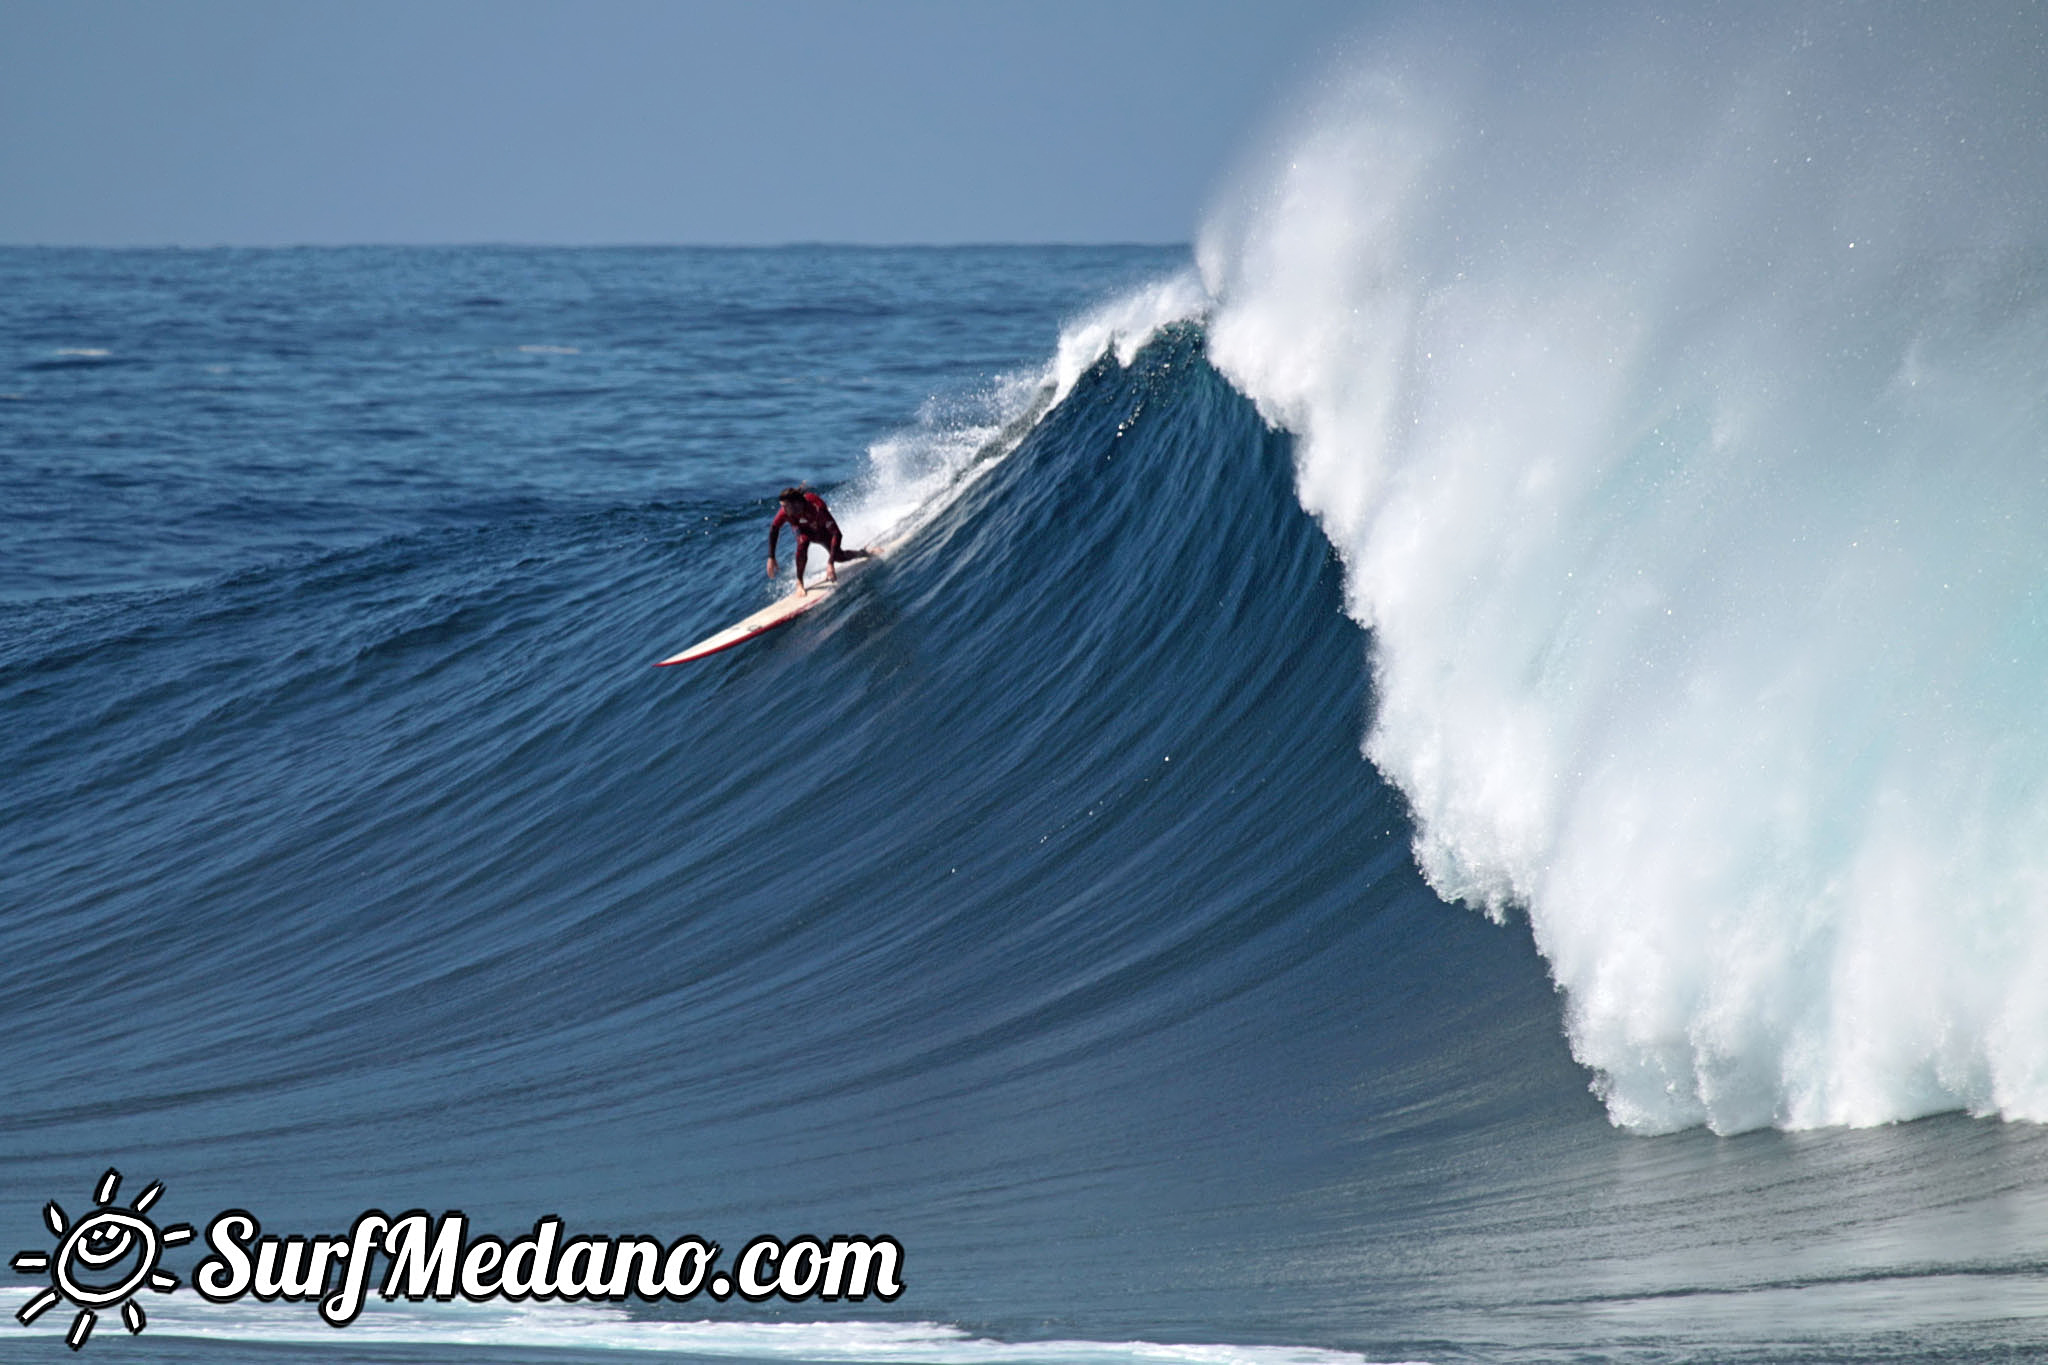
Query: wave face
1672, 388
1014, 906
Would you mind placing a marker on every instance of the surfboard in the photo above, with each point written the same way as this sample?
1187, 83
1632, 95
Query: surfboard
780, 612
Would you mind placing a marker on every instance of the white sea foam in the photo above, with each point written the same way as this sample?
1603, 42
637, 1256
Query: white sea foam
914, 473
588, 1328
1123, 326
1676, 394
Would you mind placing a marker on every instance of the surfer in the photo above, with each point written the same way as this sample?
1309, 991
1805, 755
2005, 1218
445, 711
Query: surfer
813, 521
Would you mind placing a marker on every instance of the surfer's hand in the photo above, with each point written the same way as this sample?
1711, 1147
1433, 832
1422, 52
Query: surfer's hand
771, 566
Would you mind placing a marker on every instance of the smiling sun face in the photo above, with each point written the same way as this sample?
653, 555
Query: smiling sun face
101, 1260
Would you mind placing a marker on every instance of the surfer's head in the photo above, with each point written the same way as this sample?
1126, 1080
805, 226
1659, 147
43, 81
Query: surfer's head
790, 497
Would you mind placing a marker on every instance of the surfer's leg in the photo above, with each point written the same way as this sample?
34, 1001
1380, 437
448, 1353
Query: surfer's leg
803, 552
837, 554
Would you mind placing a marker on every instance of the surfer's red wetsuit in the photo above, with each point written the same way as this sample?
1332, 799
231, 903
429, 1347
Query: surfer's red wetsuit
812, 519
807, 512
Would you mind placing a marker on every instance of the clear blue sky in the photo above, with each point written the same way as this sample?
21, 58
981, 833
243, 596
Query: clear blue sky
200, 122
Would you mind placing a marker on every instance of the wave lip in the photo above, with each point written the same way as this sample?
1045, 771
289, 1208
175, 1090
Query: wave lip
914, 474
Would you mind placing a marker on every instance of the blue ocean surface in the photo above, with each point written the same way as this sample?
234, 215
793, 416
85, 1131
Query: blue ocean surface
1032, 904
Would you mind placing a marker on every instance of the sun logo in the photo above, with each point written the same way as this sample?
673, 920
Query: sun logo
102, 1259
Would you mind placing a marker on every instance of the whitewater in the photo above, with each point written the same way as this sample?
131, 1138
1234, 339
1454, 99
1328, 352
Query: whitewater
1683, 439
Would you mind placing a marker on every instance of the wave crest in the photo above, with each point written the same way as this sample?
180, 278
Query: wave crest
1680, 436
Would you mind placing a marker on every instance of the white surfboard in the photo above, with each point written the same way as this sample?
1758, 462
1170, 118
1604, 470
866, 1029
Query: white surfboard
780, 612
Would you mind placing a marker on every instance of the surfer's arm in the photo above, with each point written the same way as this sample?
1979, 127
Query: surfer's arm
774, 530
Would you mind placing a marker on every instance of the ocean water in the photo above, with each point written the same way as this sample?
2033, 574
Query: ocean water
1453, 774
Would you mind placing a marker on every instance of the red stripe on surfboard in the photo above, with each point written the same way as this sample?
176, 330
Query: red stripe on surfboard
691, 656
817, 594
